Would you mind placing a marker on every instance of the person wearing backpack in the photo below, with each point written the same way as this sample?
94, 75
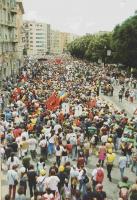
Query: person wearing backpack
109, 161
97, 175
100, 175
83, 180
41, 182
40, 165
44, 147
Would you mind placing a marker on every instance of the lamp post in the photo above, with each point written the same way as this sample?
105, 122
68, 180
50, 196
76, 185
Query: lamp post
107, 53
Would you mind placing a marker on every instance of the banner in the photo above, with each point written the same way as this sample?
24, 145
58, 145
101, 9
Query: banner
65, 108
78, 111
53, 102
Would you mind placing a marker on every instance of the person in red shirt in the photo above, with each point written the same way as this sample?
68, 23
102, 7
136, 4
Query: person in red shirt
17, 132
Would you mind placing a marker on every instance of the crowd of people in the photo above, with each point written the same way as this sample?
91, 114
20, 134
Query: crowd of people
55, 122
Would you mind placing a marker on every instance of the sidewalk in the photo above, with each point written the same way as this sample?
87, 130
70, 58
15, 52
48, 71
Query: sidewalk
126, 105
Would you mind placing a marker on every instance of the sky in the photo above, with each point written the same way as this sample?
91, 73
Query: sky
80, 16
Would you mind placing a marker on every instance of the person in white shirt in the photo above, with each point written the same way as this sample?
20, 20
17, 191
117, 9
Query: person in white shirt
32, 146
25, 134
104, 139
57, 127
47, 131
42, 181
52, 182
44, 147
12, 178
12, 161
58, 152
51, 141
94, 174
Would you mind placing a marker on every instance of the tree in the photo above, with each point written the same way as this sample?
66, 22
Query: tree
124, 42
90, 47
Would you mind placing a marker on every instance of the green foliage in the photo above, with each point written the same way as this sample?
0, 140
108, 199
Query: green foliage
90, 47
122, 41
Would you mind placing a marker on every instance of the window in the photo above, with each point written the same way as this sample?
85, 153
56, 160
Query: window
40, 37
40, 34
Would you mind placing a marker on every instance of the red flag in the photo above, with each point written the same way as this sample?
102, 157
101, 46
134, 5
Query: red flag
53, 102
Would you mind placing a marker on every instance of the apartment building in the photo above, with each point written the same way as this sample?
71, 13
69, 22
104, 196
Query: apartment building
40, 39
9, 36
20, 34
37, 37
60, 40
56, 42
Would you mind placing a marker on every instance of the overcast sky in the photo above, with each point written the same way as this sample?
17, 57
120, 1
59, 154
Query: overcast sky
80, 16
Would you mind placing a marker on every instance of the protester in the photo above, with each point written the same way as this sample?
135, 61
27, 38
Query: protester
56, 113
110, 160
12, 178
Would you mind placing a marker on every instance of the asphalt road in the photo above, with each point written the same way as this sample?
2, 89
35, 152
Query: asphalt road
110, 188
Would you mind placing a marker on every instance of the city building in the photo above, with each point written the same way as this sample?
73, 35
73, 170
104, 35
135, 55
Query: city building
9, 36
56, 42
37, 38
40, 39
20, 34
60, 40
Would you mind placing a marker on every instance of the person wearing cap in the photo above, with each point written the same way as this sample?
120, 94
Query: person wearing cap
41, 182
109, 144
109, 162
61, 175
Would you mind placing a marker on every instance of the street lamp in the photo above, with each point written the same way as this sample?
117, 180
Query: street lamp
107, 53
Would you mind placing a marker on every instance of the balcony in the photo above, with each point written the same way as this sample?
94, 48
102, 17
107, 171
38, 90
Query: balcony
12, 24
13, 10
4, 6
14, 40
